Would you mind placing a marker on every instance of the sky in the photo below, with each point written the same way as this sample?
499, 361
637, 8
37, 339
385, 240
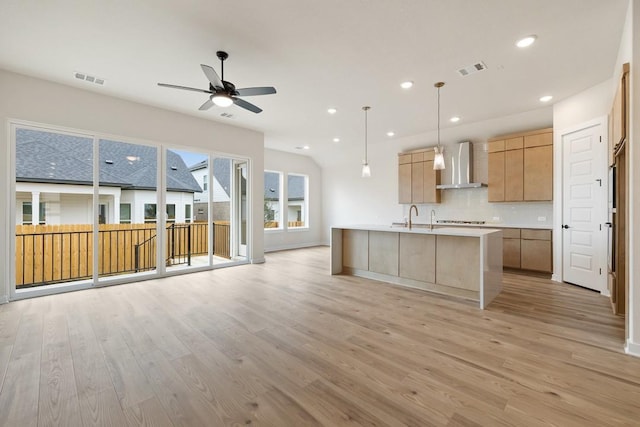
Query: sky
190, 158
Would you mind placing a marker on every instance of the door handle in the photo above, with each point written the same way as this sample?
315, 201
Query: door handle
565, 226
608, 224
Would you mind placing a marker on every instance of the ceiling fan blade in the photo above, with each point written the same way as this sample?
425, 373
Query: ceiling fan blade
253, 91
246, 105
212, 76
184, 87
207, 104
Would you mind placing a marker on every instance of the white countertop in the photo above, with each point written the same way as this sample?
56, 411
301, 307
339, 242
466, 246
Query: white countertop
496, 225
445, 231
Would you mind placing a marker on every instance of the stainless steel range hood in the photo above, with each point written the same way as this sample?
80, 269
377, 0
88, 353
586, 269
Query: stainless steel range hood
460, 168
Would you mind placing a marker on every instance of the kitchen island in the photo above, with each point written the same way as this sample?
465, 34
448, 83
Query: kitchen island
462, 262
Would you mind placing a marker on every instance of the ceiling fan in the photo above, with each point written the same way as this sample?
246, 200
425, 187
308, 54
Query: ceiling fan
224, 93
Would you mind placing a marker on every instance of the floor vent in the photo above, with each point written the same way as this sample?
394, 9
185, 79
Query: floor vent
471, 69
88, 78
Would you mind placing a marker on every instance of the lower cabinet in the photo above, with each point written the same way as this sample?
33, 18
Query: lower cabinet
527, 249
417, 257
383, 252
511, 247
536, 250
355, 249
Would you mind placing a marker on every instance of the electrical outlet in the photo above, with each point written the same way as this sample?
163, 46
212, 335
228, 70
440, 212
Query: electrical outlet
542, 218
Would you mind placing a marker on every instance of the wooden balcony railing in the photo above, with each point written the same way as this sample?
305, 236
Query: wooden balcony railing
47, 254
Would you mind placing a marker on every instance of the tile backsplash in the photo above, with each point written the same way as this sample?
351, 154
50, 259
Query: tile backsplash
470, 204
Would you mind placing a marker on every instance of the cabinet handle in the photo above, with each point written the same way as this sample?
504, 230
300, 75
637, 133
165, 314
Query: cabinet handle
565, 226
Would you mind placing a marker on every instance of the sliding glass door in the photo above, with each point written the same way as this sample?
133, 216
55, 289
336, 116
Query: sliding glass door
127, 202
90, 209
53, 207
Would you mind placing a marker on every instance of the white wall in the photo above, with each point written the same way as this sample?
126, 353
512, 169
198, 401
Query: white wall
280, 161
30, 99
350, 199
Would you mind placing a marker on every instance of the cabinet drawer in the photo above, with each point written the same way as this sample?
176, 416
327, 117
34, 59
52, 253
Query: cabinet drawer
536, 255
404, 159
538, 140
514, 143
494, 146
510, 233
511, 253
531, 234
417, 157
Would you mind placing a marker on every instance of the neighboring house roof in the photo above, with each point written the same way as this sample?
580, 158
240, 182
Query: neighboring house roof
295, 186
48, 157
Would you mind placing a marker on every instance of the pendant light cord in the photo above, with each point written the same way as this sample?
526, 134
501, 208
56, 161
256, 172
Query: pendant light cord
366, 142
438, 117
366, 110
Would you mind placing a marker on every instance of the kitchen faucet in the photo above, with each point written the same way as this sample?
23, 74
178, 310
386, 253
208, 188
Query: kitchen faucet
433, 214
410, 210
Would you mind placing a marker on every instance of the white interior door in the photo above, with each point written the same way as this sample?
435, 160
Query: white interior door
584, 208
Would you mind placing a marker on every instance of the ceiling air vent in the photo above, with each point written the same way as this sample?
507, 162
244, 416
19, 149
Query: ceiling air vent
474, 68
88, 78
227, 115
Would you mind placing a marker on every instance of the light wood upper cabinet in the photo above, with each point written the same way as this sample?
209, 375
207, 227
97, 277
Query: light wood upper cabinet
431, 179
404, 183
538, 173
521, 167
416, 178
513, 175
417, 182
496, 176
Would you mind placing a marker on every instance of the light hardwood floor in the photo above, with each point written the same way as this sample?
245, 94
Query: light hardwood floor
286, 344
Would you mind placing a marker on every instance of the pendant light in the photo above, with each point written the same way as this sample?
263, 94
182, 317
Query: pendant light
366, 170
438, 160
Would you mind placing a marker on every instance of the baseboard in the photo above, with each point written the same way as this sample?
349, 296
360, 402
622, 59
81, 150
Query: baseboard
632, 348
258, 260
293, 246
4, 299
556, 278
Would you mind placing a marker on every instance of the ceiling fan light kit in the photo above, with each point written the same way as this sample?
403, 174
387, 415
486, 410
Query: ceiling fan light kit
222, 100
224, 93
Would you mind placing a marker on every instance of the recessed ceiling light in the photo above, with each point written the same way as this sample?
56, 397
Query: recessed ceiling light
406, 85
454, 119
527, 41
332, 110
546, 98
391, 133
336, 139
305, 147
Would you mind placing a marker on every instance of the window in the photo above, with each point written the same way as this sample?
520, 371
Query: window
187, 213
204, 183
125, 213
27, 216
171, 213
102, 214
272, 200
297, 189
27, 213
150, 212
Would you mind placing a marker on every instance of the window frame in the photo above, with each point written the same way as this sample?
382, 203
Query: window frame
305, 203
280, 220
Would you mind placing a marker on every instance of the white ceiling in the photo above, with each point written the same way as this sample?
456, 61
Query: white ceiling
320, 54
